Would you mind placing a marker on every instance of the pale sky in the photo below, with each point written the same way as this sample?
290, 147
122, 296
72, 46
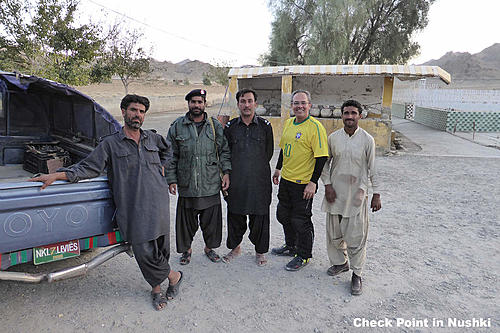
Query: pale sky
236, 32
459, 26
233, 31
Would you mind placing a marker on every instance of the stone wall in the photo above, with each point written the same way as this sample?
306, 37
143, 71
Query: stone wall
379, 129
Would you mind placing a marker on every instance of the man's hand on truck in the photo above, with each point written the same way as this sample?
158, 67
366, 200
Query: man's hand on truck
49, 179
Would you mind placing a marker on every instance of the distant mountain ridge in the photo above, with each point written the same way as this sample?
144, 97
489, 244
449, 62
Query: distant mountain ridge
481, 70
192, 70
463, 66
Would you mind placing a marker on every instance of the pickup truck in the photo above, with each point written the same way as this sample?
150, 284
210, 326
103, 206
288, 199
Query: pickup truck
45, 125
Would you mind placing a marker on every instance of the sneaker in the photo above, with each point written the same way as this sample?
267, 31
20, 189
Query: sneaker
296, 263
283, 250
337, 269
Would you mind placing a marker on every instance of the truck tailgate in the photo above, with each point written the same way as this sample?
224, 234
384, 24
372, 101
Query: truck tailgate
63, 211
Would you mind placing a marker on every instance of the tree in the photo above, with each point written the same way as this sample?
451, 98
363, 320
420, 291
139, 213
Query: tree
206, 80
124, 57
40, 37
345, 31
218, 72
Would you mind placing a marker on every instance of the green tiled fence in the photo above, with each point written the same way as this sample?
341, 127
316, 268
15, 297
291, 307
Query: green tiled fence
398, 110
464, 121
431, 117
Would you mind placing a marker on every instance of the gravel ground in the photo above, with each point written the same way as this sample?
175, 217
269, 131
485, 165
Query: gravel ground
433, 253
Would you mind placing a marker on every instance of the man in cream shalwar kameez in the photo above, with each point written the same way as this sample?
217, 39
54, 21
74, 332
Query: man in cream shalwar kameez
346, 175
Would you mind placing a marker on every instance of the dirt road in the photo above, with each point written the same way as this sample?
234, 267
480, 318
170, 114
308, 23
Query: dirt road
433, 253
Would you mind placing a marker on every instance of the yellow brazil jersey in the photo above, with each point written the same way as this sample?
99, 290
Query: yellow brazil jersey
301, 144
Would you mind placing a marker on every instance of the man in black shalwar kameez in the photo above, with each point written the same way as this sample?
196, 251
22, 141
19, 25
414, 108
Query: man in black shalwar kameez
251, 143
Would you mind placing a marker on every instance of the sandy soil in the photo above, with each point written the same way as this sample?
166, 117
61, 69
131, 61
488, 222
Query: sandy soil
164, 97
433, 252
146, 88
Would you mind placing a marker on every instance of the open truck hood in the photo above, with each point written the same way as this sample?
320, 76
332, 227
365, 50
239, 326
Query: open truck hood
34, 106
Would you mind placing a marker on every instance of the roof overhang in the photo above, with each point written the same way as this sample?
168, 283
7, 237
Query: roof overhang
402, 72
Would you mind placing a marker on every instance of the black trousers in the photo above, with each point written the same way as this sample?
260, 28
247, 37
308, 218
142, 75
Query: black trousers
259, 231
152, 258
186, 225
294, 213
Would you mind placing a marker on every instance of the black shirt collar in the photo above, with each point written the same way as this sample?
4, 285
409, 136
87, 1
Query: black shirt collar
254, 120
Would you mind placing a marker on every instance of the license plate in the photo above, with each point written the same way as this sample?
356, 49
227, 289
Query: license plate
57, 251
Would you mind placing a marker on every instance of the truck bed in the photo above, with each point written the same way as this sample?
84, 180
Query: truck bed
13, 173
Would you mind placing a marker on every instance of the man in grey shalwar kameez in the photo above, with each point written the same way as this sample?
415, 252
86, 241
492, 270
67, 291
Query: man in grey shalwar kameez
135, 160
347, 174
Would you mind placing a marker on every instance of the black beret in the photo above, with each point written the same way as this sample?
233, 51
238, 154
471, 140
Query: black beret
196, 92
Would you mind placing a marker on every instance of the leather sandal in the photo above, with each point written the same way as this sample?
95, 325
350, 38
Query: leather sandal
159, 301
173, 290
185, 258
214, 257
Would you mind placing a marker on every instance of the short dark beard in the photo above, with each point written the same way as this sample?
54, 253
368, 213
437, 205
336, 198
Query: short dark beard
131, 124
193, 114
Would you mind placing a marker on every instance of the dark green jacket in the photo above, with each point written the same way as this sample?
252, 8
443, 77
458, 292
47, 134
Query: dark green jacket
194, 166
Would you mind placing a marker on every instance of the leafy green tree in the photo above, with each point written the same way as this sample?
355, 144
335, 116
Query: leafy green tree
40, 37
124, 56
218, 72
345, 31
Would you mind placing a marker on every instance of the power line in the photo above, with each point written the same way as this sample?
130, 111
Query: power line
167, 32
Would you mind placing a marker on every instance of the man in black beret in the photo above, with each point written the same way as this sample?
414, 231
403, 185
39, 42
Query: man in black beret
197, 92
200, 152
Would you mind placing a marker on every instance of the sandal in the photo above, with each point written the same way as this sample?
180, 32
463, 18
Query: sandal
214, 257
173, 290
185, 258
260, 259
230, 257
159, 301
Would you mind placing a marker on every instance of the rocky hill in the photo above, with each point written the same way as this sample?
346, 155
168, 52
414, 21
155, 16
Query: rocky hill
479, 70
191, 70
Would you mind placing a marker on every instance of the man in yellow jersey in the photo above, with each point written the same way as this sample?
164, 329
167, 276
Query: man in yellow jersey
303, 154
